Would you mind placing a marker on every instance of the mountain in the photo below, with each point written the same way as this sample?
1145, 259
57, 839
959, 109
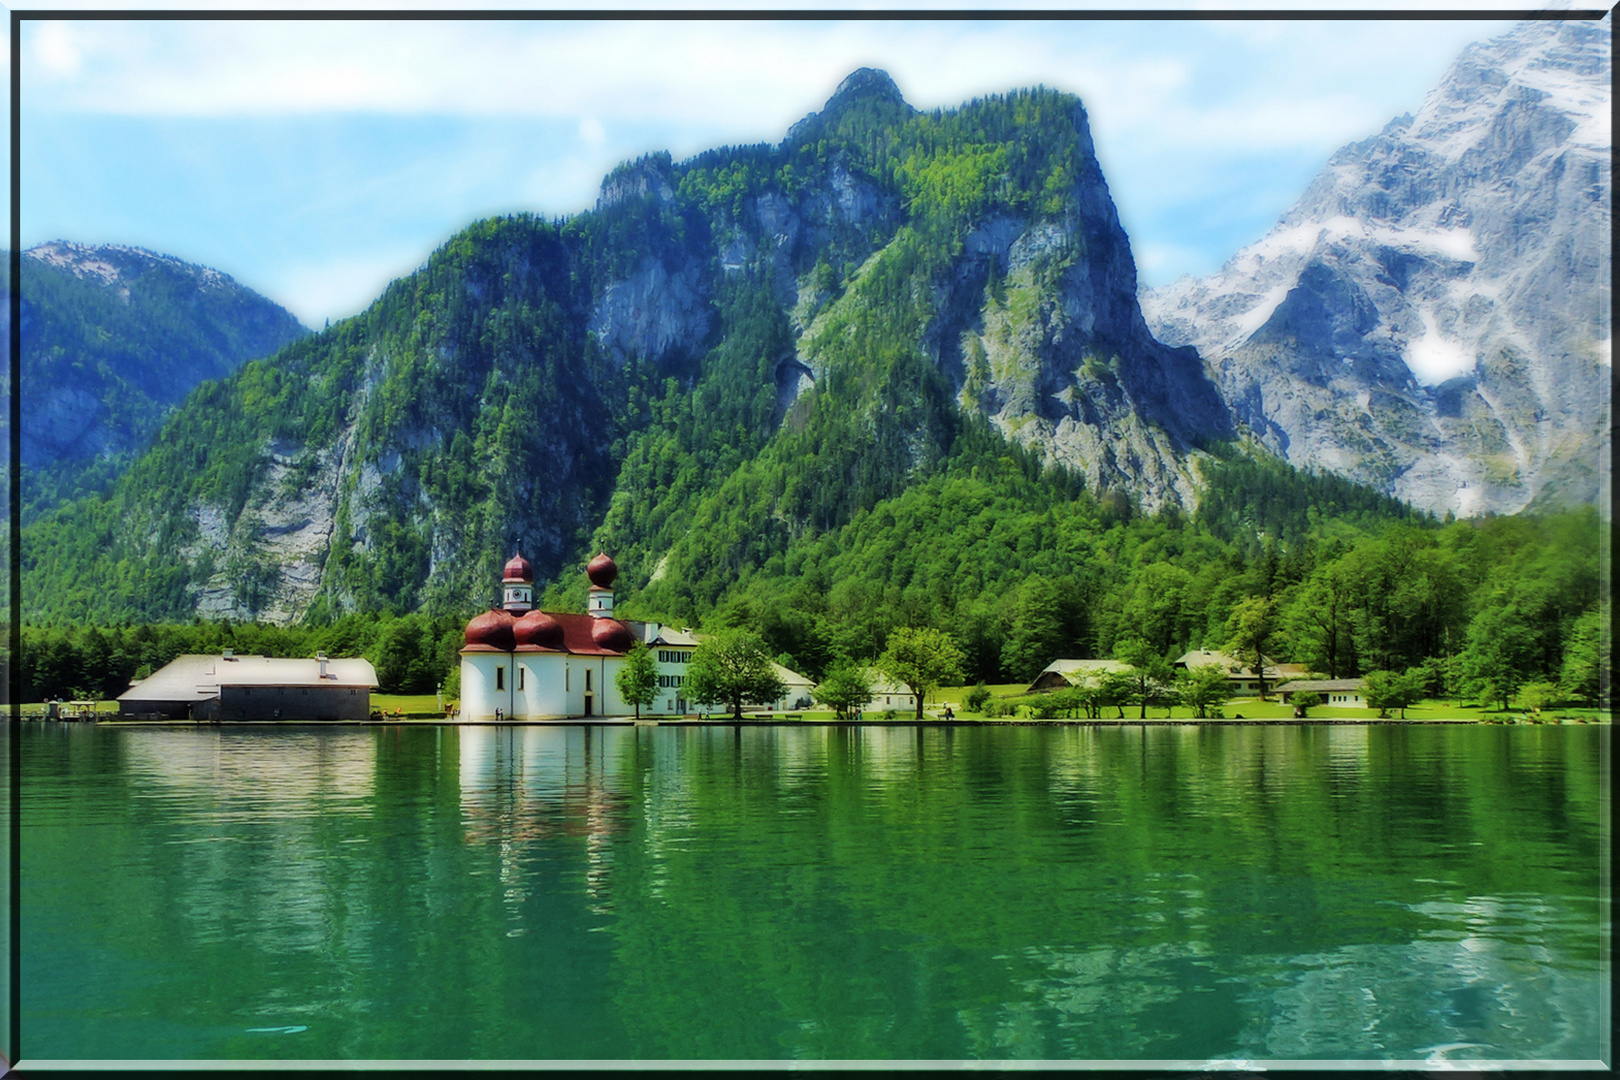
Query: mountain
726, 356
113, 338
1432, 317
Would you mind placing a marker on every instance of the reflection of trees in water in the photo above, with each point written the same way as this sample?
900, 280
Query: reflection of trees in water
1101, 884
1068, 891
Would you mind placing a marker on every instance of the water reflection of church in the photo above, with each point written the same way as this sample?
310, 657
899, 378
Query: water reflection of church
521, 663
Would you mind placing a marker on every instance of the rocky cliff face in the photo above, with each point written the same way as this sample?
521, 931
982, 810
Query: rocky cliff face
1060, 357
1433, 316
1037, 324
758, 343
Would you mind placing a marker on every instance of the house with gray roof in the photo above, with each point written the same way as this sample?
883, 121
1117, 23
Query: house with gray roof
230, 687
1061, 674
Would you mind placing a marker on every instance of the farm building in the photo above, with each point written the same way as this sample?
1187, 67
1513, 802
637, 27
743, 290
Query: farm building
1240, 677
231, 687
1061, 674
1342, 693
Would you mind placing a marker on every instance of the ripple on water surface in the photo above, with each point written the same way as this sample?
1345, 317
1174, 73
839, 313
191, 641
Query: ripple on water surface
834, 892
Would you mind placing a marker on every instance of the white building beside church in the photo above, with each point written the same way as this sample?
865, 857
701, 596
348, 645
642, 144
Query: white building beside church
520, 663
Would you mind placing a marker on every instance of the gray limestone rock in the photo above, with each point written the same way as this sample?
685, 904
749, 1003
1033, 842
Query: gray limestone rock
1432, 316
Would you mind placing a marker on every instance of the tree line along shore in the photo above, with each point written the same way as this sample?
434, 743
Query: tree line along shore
1496, 615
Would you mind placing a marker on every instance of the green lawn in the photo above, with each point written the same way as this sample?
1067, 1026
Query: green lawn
425, 707
408, 705
1255, 709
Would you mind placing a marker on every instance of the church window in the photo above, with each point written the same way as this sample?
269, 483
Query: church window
500, 678
521, 670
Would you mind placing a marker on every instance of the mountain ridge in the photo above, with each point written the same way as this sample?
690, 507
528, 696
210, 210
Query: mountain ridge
114, 336
814, 324
1432, 315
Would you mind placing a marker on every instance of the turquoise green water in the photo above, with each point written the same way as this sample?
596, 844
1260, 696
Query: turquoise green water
1274, 893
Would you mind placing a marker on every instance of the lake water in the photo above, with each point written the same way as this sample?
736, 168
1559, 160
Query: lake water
1129, 894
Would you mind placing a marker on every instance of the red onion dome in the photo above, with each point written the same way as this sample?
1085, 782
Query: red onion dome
517, 569
493, 629
538, 628
611, 634
602, 572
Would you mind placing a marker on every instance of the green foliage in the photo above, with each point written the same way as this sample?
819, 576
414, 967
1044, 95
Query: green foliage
1249, 630
733, 669
922, 659
1150, 677
637, 678
845, 690
1585, 669
1204, 689
1249, 491
976, 699
1305, 701
1388, 690
1537, 696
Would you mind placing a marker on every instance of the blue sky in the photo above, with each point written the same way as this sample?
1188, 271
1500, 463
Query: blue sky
316, 160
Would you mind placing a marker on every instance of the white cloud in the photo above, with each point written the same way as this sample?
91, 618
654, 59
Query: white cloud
1153, 259
337, 287
1174, 105
58, 55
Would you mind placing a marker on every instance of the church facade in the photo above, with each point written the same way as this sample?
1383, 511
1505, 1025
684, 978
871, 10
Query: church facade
520, 663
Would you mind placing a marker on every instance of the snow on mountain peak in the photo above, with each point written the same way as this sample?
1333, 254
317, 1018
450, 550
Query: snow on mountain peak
1435, 308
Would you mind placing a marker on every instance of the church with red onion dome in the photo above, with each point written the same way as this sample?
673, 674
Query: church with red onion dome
521, 663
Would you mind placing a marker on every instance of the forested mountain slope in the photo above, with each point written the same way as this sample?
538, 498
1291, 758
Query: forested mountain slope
113, 338
726, 354
890, 372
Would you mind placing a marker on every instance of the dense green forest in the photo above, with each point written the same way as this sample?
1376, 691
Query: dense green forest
1020, 572
123, 352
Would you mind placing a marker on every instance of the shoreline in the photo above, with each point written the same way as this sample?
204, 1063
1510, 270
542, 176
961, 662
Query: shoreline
627, 721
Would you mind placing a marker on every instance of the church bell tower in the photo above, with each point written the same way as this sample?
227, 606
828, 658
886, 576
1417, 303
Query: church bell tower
517, 585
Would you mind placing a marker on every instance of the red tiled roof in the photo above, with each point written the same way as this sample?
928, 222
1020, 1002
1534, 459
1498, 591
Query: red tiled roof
492, 628
538, 630
582, 635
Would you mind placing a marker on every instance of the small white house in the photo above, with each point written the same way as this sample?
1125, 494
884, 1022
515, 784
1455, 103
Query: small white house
672, 651
1339, 693
888, 694
797, 690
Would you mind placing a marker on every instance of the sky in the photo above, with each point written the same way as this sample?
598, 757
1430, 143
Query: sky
315, 160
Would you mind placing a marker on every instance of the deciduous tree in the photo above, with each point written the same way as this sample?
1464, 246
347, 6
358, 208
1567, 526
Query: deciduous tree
1150, 672
733, 669
921, 658
1249, 632
637, 680
1204, 689
1388, 690
845, 690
